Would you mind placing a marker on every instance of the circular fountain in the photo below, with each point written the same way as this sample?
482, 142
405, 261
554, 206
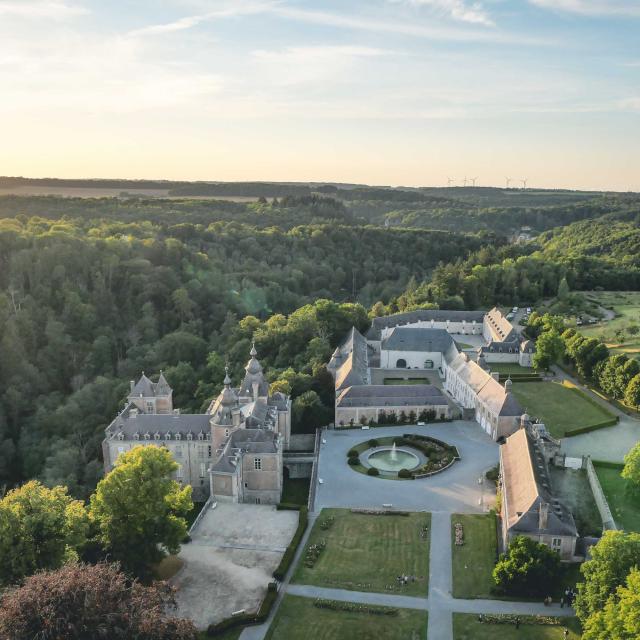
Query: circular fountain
392, 459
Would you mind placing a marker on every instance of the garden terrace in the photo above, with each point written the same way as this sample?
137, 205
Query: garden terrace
367, 552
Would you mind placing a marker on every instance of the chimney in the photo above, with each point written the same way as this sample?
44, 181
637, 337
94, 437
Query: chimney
544, 516
132, 384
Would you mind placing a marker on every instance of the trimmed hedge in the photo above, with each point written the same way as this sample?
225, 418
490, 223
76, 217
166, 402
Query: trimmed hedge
287, 506
404, 473
352, 453
353, 461
591, 427
372, 471
289, 554
246, 619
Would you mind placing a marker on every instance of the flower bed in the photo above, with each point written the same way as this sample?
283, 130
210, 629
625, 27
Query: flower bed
354, 607
509, 618
459, 531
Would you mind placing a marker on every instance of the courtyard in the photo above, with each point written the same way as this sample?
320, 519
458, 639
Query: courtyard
454, 490
229, 562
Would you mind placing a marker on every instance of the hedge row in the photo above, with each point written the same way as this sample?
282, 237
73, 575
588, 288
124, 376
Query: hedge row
511, 618
289, 554
592, 427
609, 465
354, 607
287, 506
246, 619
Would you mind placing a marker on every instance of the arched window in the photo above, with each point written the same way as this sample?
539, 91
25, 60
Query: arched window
401, 363
428, 364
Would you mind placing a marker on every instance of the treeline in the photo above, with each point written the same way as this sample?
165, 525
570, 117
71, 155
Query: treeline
86, 305
615, 374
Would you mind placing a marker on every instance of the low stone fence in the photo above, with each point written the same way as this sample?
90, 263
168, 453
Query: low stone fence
601, 500
199, 517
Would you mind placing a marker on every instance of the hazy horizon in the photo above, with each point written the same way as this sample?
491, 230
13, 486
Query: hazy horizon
385, 92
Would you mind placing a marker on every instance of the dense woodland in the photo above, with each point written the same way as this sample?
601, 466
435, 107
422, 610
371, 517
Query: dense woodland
93, 291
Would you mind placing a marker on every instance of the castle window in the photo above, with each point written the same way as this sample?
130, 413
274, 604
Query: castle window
136, 436
201, 452
179, 472
203, 469
226, 433
556, 543
189, 436
149, 407
147, 436
201, 436
209, 451
178, 452
178, 436
156, 436
121, 436
167, 436
257, 500
257, 464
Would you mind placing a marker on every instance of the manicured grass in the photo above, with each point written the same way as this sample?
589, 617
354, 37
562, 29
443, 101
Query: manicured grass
296, 490
625, 507
231, 634
368, 552
473, 562
561, 408
299, 619
402, 381
511, 367
467, 627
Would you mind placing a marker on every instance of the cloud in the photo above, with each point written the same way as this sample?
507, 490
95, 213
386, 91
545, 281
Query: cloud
592, 7
51, 9
189, 22
473, 13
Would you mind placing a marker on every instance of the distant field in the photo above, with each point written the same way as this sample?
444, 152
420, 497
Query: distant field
626, 306
561, 408
299, 619
625, 507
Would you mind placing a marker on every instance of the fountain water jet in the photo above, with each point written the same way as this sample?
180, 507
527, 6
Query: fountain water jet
394, 453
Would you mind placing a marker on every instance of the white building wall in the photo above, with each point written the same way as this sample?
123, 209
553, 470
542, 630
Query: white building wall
414, 359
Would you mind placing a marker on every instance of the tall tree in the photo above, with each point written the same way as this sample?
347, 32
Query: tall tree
139, 509
90, 602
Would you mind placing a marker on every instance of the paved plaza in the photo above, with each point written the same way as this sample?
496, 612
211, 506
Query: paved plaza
455, 490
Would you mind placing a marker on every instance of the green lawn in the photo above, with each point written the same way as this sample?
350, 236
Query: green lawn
296, 490
368, 552
511, 367
467, 627
231, 634
625, 507
561, 408
626, 305
299, 619
473, 562
402, 381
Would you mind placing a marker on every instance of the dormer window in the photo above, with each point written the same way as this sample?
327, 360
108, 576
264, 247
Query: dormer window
178, 436
147, 436
208, 435
189, 436
167, 436
156, 436
201, 436
136, 436
121, 436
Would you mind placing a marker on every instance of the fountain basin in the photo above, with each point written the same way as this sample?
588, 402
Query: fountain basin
392, 460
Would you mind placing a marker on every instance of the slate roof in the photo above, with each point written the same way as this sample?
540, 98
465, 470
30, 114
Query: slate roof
147, 389
131, 422
526, 486
503, 330
391, 395
352, 362
422, 315
417, 339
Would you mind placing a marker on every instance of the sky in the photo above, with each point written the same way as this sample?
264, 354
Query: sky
387, 92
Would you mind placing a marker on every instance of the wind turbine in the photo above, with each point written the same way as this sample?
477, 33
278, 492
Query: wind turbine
465, 181
449, 181
508, 182
524, 183
473, 180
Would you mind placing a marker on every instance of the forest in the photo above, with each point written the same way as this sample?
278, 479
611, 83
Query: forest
94, 291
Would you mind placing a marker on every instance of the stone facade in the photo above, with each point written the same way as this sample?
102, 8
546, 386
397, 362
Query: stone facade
233, 451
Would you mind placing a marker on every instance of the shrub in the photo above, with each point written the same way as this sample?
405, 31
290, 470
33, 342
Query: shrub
352, 453
404, 473
353, 461
287, 558
287, 506
373, 443
372, 471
